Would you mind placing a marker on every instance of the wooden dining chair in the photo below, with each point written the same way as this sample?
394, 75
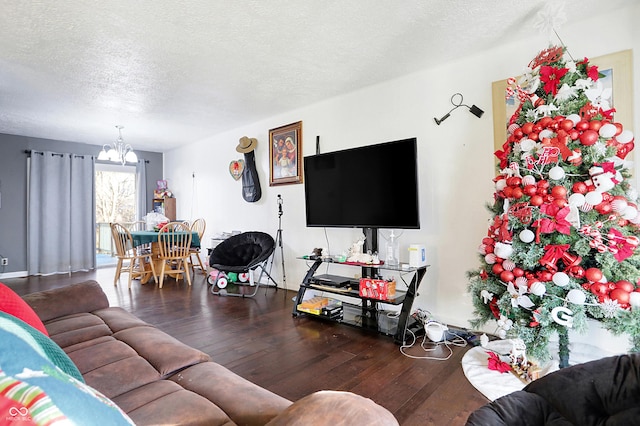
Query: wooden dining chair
174, 241
138, 225
126, 251
198, 226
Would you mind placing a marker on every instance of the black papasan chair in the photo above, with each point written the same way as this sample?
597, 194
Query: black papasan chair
241, 254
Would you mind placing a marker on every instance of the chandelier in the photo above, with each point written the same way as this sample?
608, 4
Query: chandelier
118, 152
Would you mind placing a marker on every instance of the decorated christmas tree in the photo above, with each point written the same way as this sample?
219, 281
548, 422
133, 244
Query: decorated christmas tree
562, 246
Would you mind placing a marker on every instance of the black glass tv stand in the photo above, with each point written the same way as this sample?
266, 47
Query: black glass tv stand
364, 312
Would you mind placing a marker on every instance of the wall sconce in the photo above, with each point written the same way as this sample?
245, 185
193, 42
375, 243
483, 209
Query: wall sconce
474, 109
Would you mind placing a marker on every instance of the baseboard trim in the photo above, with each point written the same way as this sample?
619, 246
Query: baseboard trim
18, 274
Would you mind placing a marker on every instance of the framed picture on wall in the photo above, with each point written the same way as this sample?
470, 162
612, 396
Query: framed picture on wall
285, 154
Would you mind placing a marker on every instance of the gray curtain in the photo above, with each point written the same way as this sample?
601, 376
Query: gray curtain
141, 189
61, 213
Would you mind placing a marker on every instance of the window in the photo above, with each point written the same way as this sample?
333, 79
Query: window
115, 194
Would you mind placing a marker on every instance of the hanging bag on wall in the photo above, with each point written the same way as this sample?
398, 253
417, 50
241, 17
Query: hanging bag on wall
251, 191
250, 183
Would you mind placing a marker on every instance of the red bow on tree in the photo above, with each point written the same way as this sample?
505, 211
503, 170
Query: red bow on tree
553, 253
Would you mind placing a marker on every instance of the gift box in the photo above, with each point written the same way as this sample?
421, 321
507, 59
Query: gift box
377, 289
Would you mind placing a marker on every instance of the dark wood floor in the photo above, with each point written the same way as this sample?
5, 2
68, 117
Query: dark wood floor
260, 340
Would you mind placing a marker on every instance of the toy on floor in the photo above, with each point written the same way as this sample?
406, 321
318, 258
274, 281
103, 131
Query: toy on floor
221, 279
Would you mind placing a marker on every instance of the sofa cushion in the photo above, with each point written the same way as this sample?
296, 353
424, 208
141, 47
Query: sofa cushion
76, 328
232, 393
165, 402
121, 376
72, 299
36, 391
13, 304
167, 354
118, 319
103, 352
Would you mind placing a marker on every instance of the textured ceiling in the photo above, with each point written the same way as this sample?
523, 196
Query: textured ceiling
173, 72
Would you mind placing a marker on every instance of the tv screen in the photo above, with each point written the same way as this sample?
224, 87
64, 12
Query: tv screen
374, 186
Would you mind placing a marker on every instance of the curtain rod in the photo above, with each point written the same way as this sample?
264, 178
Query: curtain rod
29, 152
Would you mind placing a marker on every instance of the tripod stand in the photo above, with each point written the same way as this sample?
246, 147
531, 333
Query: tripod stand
279, 244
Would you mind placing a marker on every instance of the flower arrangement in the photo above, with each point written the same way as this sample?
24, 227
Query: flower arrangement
563, 243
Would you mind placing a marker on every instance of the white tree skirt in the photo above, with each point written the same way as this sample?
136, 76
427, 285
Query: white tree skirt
494, 384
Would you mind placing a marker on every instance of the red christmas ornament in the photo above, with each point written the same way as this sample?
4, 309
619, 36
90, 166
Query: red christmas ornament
599, 289
625, 285
506, 276
582, 125
619, 128
527, 128
589, 137
544, 276
620, 295
517, 193
574, 134
508, 192
514, 181
560, 202
497, 268
624, 150
553, 253
530, 190
580, 188
595, 125
566, 125
544, 122
576, 272
570, 260
593, 274
604, 208
536, 200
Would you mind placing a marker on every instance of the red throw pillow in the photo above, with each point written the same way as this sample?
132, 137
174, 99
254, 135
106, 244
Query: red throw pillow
13, 304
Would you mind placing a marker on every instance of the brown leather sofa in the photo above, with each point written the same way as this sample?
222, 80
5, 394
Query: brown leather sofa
156, 379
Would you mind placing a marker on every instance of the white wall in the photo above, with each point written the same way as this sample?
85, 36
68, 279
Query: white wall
456, 162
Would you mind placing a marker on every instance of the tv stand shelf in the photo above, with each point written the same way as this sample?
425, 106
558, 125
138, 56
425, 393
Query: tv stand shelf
366, 313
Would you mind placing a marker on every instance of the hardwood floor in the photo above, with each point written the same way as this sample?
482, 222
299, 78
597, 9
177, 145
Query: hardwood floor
260, 340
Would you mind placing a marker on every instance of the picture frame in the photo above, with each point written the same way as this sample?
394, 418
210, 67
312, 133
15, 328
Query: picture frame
618, 70
285, 154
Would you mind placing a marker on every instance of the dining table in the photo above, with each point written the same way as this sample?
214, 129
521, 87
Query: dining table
150, 238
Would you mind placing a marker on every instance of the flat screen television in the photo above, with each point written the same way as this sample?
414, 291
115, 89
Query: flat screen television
373, 186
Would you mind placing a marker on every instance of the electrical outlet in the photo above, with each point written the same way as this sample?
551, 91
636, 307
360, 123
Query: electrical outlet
4, 261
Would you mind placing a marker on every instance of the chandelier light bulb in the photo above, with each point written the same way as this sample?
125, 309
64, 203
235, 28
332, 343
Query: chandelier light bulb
118, 152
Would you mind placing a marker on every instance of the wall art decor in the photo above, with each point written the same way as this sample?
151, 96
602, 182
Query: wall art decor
285, 154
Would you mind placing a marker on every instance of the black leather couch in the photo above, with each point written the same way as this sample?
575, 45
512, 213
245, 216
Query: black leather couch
601, 392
